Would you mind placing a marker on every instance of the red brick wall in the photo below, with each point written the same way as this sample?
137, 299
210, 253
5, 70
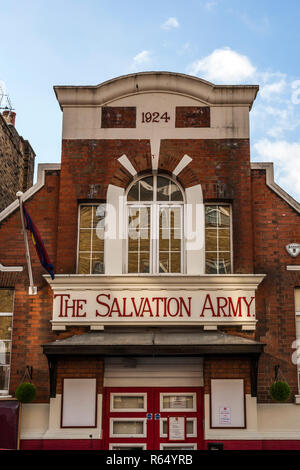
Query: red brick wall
80, 368
231, 367
192, 116
118, 117
275, 225
222, 167
32, 314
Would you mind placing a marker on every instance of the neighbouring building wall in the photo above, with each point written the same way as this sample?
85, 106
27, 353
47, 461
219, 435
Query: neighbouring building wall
32, 314
276, 224
16, 161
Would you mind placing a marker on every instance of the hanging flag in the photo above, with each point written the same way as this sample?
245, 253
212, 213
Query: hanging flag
38, 243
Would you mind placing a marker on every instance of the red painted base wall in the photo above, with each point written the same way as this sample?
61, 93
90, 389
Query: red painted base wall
84, 444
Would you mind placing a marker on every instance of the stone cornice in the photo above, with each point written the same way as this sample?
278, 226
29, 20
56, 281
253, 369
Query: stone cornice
158, 82
172, 282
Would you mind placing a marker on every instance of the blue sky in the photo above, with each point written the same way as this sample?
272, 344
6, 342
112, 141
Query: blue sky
224, 41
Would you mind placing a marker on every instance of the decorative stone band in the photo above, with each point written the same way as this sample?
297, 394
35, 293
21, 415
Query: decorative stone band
131, 300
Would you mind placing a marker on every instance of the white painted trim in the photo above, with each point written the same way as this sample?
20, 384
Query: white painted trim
42, 168
294, 267
269, 168
126, 410
194, 223
182, 164
52, 429
174, 281
10, 269
117, 419
128, 444
124, 160
183, 445
114, 226
176, 394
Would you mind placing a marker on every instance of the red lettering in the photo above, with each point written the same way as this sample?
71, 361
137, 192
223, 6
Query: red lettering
148, 309
157, 304
76, 302
61, 303
137, 312
124, 308
187, 308
248, 305
177, 307
210, 307
236, 312
103, 303
115, 310
221, 307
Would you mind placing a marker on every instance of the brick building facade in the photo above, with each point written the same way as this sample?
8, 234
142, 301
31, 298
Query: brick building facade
16, 160
174, 294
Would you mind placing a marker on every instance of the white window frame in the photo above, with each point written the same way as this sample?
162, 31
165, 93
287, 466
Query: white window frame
111, 428
126, 410
154, 223
94, 204
5, 392
177, 394
230, 234
142, 446
165, 445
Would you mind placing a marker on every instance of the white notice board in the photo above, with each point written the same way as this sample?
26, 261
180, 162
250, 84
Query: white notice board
227, 403
176, 428
79, 403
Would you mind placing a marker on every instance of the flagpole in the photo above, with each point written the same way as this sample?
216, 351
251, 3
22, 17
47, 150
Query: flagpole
32, 290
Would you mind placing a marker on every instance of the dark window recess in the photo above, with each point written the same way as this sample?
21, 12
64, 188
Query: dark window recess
192, 116
215, 446
118, 117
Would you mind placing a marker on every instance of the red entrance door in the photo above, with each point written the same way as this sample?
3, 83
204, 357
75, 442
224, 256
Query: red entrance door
156, 418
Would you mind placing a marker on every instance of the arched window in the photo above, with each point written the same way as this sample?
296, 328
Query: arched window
155, 226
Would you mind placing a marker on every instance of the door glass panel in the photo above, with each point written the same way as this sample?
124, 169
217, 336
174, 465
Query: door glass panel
177, 402
123, 402
128, 427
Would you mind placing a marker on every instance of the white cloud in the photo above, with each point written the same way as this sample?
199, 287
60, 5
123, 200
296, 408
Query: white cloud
142, 58
269, 90
286, 158
211, 4
224, 66
170, 23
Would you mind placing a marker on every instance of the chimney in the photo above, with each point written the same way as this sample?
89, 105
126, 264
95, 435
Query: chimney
9, 116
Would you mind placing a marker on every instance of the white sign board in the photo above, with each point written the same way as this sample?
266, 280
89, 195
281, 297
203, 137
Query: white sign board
153, 306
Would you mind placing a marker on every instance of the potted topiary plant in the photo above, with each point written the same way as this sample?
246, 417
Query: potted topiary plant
280, 391
26, 392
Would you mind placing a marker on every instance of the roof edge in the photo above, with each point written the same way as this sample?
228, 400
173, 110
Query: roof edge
159, 81
269, 168
42, 168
